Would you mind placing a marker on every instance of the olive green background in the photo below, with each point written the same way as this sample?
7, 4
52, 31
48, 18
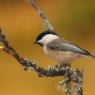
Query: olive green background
72, 19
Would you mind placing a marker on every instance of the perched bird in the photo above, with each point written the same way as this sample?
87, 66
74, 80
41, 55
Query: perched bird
59, 49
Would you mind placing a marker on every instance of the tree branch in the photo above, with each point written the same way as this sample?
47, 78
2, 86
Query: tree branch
46, 22
70, 75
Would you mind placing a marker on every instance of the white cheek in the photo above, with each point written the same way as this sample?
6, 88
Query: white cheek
48, 38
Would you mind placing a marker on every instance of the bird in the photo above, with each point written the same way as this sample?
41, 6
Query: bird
59, 49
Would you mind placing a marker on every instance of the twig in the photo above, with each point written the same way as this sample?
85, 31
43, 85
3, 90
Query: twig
46, 22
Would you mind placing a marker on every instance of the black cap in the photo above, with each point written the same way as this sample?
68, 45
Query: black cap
40, 36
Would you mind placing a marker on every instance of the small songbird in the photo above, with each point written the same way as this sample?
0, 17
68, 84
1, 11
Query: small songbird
59, 49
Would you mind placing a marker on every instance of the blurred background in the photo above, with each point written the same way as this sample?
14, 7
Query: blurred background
72, 19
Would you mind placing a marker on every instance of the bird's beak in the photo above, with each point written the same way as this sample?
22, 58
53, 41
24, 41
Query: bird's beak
35, 42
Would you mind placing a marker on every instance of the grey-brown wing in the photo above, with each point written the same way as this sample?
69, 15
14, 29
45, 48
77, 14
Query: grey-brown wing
62, 45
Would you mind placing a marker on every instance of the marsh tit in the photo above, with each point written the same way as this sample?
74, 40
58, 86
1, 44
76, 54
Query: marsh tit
59, 49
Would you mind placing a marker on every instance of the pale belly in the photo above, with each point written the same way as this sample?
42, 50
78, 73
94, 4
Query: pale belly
61, 56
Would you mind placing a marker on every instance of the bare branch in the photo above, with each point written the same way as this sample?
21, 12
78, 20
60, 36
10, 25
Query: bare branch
46, 22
